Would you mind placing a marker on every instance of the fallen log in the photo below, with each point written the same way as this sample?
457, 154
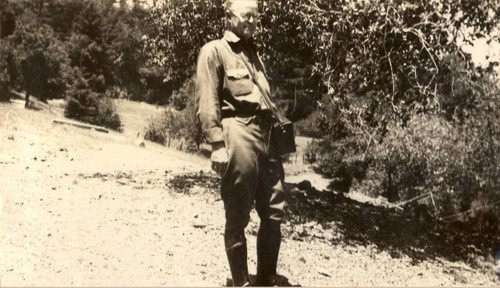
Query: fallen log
81, 125
414, 199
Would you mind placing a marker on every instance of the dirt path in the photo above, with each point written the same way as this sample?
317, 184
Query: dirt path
82, 208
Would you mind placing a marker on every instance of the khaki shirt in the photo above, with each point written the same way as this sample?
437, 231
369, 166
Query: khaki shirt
224, 83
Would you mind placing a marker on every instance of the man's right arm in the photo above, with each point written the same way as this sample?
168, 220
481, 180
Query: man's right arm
208, 83
208, 87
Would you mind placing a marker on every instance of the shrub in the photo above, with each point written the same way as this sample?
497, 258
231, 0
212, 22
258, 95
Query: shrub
87, 105
480, 134
311, 152
179, 100
456, 159
107, 115
309, 126
100, 111
117, 92
419, 158
180, 125
157, 130
432, 155
344, 161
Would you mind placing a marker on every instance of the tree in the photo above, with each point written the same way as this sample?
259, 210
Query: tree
42, 60
7, 64
289, 58
405, 109
175, 33
7, 23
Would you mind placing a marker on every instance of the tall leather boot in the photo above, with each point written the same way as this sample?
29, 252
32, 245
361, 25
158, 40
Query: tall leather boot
237, 257
268, 247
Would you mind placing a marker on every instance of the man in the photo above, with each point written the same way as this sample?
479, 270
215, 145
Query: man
236, 121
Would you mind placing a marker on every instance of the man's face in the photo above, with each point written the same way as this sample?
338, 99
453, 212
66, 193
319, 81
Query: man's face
243, 18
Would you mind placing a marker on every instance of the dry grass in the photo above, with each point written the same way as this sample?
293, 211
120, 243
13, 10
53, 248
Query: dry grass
136, 115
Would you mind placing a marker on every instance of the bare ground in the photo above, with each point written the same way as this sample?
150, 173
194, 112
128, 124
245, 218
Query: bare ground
83, 208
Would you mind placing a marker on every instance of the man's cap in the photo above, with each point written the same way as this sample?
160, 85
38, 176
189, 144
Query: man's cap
241, 2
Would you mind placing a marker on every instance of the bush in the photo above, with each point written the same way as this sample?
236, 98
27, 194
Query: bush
309, 126
84, 104
157, 130
425, 156
101, 111
107, 115
454, 155
311, 152
480, 134
116, 92
179, 100
344, 161
180, 125
455, 159
431, 155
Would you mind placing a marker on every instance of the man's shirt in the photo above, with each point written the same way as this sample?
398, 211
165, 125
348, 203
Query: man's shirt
224, 84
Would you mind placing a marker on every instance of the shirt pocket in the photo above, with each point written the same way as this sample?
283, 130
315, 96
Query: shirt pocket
239, 82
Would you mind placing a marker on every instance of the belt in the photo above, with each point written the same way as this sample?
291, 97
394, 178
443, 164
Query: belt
259, 113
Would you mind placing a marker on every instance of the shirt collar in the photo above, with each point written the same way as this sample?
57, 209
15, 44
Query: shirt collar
230, 37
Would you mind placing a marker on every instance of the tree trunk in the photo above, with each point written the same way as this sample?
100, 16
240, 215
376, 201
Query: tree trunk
40, 8
27, 99
0, 33
0, 26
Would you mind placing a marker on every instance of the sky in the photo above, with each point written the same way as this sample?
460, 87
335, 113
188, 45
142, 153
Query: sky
481, 52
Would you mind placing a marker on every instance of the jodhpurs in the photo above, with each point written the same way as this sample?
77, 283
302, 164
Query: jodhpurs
251, 175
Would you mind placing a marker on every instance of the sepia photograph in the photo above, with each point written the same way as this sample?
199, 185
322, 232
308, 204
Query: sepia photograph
283, 143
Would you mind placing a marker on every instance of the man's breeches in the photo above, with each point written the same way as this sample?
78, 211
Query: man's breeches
251, 176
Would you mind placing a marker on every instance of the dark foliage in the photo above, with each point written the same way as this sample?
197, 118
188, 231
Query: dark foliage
39, 63
388, 66
87, 102
7, 25
175, 33
180, 125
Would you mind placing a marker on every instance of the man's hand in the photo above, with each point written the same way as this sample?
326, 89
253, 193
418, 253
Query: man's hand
219, 158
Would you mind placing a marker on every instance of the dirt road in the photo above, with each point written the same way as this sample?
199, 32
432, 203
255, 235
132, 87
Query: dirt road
83, 208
